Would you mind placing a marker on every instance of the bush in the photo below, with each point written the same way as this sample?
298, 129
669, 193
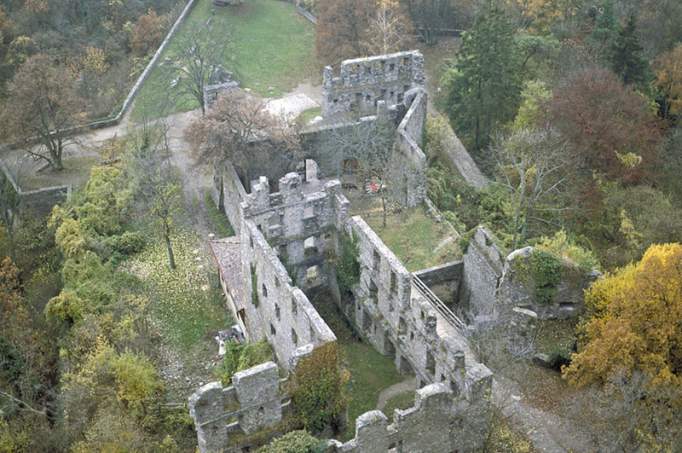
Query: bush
240, 357
128, 243
560, 245
348, 266
546, 273
317, 389
294, 442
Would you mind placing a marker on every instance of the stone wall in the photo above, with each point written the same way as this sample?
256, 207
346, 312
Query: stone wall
253, 402
483, 266
444, 280
400, 322
34, 203
233, 194
518, 287
362, 82
272, 308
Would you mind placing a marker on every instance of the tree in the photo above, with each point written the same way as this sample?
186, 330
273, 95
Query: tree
389, 30
157, 182
631, 339
147, 33
669, 81
46, 104
196, 59
9, 207
532, 165
341, 27
625, 55
241, 130
611, 128
483, 87
430, 17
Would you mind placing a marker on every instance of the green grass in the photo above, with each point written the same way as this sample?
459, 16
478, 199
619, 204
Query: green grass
415, 237
271, 46
403, 401
370, 372
218, 220
76, 172
308, 115
187, 305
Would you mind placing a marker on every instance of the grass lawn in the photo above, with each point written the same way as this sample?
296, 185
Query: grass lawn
187, 305
415, 238
271, 46
370, 371
218, 220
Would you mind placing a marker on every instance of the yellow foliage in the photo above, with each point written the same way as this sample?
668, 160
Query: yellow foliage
95, 60
669, 78
635, 322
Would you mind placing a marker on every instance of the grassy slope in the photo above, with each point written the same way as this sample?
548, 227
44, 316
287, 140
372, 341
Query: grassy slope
272, 46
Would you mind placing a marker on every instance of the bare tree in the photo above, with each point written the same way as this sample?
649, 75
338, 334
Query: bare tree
45, 105
196, 59
430, 17
389, 29
157, 181
239, 129
532, 165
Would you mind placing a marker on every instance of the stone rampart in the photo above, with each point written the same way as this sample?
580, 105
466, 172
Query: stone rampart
408, 165
483, 266
233, 194
362, 82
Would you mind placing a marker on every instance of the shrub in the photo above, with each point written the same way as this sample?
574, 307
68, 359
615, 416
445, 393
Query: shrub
348, 267
240, 357
293, 442
546, 273
317, 389
560, 245
128, 243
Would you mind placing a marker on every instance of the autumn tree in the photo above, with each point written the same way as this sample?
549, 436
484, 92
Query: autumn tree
241, 130
157, 182
389, 29
147, 33
669, 80
196, 58
341, 28
483, 87
619, 146
46, 104
632, 335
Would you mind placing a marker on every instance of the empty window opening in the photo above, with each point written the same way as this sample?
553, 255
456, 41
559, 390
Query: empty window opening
391, 67
278, 314
366, 321
265, 290
373, 292
377, 260
272, 330
402, 326
393, 282
309, 247
294, 337
294, 306
312, 274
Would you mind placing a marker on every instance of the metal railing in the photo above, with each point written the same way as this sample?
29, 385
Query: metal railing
438, 304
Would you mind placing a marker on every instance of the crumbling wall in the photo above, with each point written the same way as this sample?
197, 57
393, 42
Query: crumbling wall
362, 82
272, 307
563, 298
444, 280
483, 265
253, 402
233, 194
399, 321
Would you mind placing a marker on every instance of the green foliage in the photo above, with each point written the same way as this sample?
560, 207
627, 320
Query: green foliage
545, 271
626, 55
535, 93
240, 357
136, 380
561, 246
217, 218
128, 243
317, 389
348, 265
254, 287
293, 442
483, 88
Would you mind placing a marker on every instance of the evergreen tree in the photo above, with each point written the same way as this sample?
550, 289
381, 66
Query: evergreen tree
626, 55
483, 88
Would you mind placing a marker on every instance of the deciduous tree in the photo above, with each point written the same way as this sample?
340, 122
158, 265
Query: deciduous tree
669, 81
341, 28
389, 29
45, 105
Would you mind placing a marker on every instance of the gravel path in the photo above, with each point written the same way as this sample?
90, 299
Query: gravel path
394, 390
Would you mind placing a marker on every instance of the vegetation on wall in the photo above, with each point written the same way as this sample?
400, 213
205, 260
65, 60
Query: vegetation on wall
348, 264
294, 442
240, 357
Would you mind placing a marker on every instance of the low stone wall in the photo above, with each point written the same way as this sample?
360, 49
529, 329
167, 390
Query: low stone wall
35, 203
409, 161
444, 281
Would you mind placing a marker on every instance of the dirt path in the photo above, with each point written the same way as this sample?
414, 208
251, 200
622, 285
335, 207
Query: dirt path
394, 390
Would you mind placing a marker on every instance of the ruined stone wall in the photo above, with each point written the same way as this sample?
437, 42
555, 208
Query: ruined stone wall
408, 165
272, 307
401, 323
300, 221
519, 288
483, 265
234, 195
444, 280
253, 402
34, 203
362, 82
